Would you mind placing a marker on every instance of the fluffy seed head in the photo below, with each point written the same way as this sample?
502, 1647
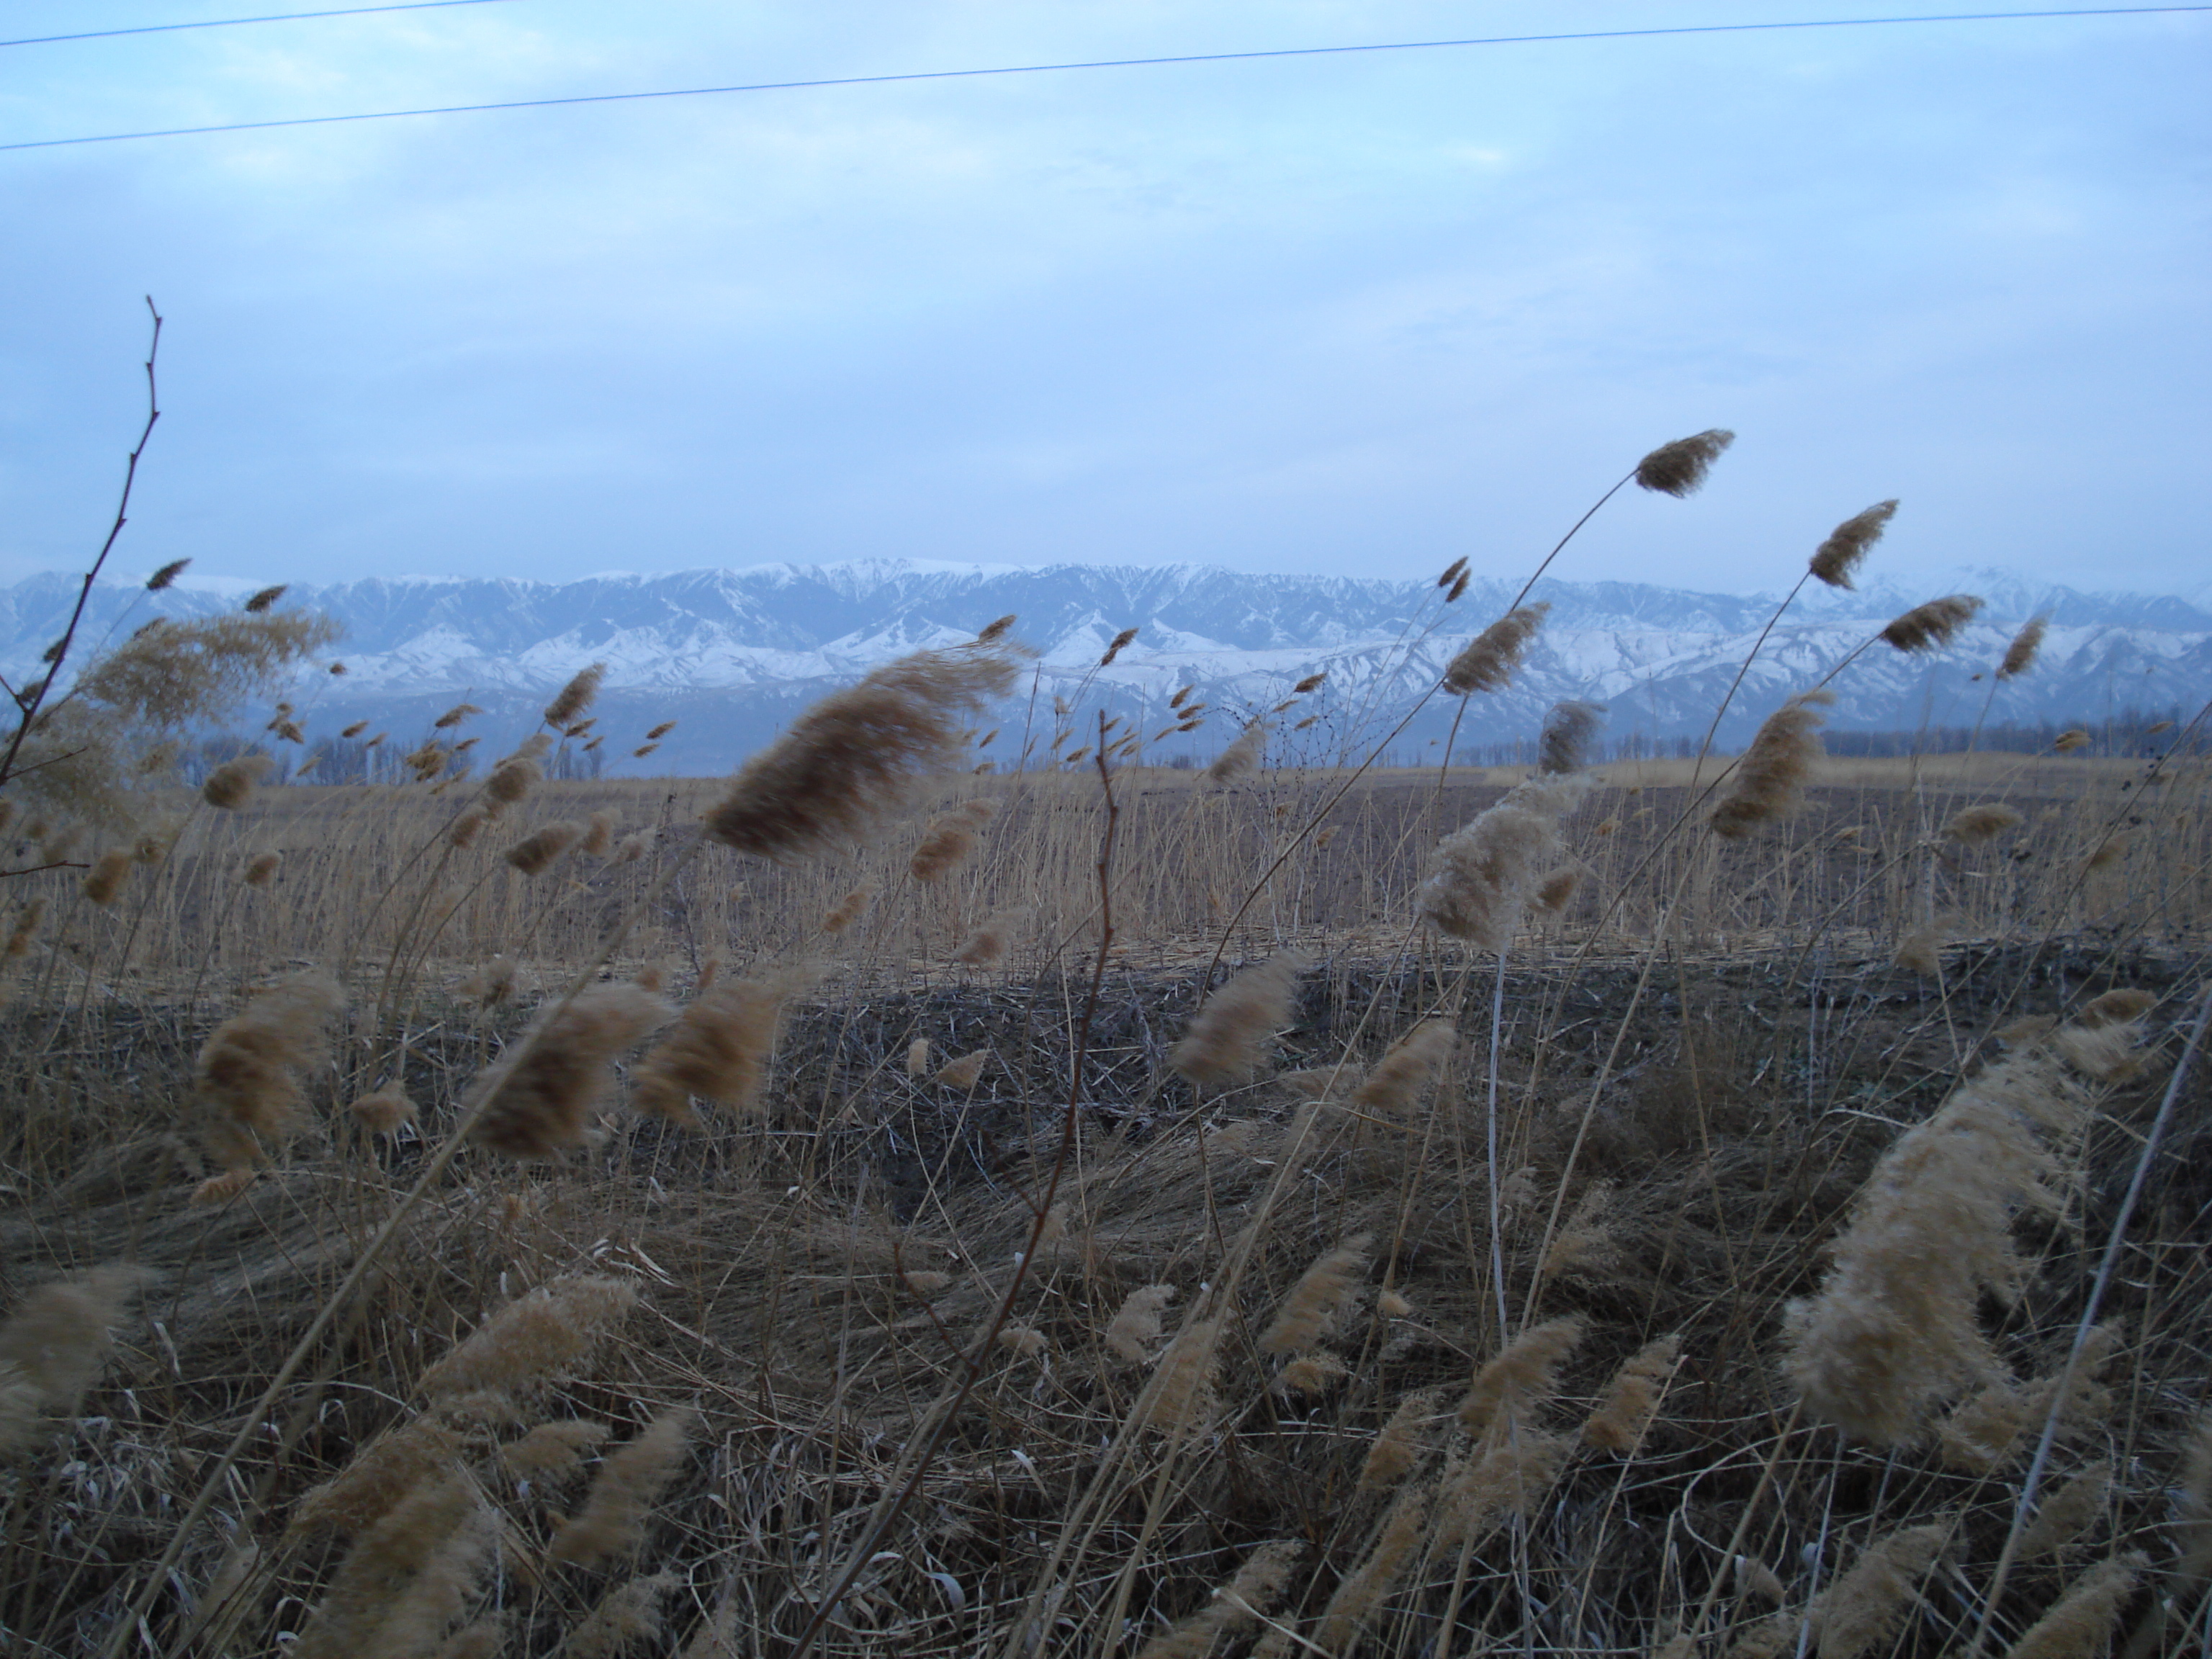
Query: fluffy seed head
599, 834
2067, 742
1136, 1325
1311, 683
53, 1344
513, 778
490, 985
1835, 558
455, 715
25, 930
553, 1449
1861, 1610
1396, 1082
534, 1341
1400, 1444
950, 839
2080, 1625
1481, 876
1680, 468
1452, 573
1570, 730
2027, 645
1932, 626
1223, 1046
987, 945
719, 1050
1622, 1417
847, 910
1487, 662
263, 869
385, 1111
247, 1078
231, 784
2068, 1512
854, 755
2116, 1007
535, 853
543, 1096
1972, 825
1242, 756
381, 1474
267, 597
166, 575
995, 631
631, 1480
1521, 1378
465, 829
1922, 950
1114, 650
103, 883
1770, 780
1313, 1301
962, 1072
573, 698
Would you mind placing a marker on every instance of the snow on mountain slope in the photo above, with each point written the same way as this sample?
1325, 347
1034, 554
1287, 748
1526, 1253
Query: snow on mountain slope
732, 653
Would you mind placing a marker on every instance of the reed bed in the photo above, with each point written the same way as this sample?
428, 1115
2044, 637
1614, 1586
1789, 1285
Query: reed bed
1741, 1206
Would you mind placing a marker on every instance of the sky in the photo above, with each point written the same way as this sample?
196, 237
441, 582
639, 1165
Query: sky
1361, 312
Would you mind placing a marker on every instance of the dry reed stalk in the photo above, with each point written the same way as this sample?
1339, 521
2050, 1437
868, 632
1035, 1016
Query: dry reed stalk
1863, 1609
246, 1081
1401, 1443
2079, 1624
381, 1475
2068, 1512
719, 1047
853, 754
2027, 645
53, 1344
1406, 1068
950, 841
534, 1341
1223, 1046
539, 1103
230, 786
1524, 1377
535, 853
1487, 662
1316, 1299
1481, 877
1243, 756
1895, 1325
1362, 1590
553, 1450
1771, 778
1679, 468
104, 882
1235, 1606
1835, 560
1624, 1414
1569, 737
384, 1111
1932, 626
629, 1482
1136, 1325
573, 698
627, 1616
962, 1072
1971, 826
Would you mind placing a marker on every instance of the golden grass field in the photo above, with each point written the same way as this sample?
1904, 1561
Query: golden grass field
878, 1206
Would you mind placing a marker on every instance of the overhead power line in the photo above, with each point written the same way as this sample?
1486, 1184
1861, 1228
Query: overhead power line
233, 22
1102, 63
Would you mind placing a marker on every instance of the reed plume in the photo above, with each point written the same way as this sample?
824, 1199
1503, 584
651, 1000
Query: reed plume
1932, 626
454, 716
1863, 1610
535, 853
1570, 733
1311, 683
534, 1342
1487, 662
1770, 780
1314, 1300
962, 1073
268, 596
1401, 1443
246, 1078
1895, 1325
620, 1500
553, 1450
719, 1050
1835, 560
53, 1345
1525, 1374
1114, 649
2068, 1512
1481, 876
917, 1057
573, 698
1921, 950
382, 1473
950, 840
25, 930
1679, 468
263, 869
1235, 1606
384, 1111
2068, 741
2027, 645
490, 985
1181, 1390
853, 754
513, 778
1405, 1068
166, 575
104, 882
1506, 1478
1223, 1044
1243, 756
409, 1575
230, 786
987, 945
2079, 1624
1631, 1397
1364, 1587
542, 1097
2120, 1006
599, 834
627, 1618
847, 910
1136, 1325
1971, 826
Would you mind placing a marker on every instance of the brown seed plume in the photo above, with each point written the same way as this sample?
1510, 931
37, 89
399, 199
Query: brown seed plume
267, 597
534, 1341
490, 985
1770, 780
1235, 1606
1932, 626
1569, 735
719, 1050
552, 1450
544, 1096
1972, 825
1521, 1378
263, 869
627, 1618
513, 778
2080, 1624
1558, 888
1861, 1611
1487, 662
246, 1080
1181, 1390
1114, 649
2027, 645
962, 1072
950, 840
1679, 468
166, 575
1396, 1082
1362, 1590
599, 834
1452, 573
2116, 1007
231, 784
570, 703
535, 853
1311, 683
104, 882
1224, 1043
1481, 876
2067, 742
987, 945
2068, 1512
854, 755
847, 910
410, 1574
381, 1474
1244, 754
1401, 1443
1322, 1289
1136, 1325
25, 930
454, 716
630, 1481
1630, 1398
1835, 558
385, 1111
996, 631
54, 1343
1922, 950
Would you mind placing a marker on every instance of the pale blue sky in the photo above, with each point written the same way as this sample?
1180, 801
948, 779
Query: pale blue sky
1361, 314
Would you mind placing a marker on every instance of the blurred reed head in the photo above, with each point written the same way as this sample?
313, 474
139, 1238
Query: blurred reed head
1769, 782
1933, 625
1680, 468
1487, 662
570, 703
2027, 645
1837, 558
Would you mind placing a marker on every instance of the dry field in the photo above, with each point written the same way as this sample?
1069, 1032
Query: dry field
880, 1208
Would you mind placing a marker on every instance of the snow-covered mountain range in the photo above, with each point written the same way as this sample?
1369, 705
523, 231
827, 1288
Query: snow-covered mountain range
731, 654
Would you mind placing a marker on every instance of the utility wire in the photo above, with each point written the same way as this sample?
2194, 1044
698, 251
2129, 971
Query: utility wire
233, 22
1101, 63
